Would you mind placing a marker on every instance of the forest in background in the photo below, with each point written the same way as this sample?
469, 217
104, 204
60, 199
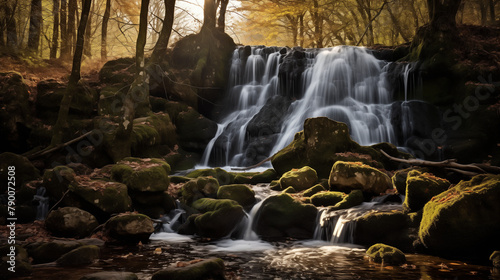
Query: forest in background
47, 28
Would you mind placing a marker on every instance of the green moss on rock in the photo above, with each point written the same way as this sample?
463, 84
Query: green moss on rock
57, 180
199, 188
153, 130
420, 188
283, 216
354, 198
51, 251
385, 254
289, 190
109, 197
70, 222
222, 176
129, 228
462, 222
255, 177
327, 198
300, 179
313, 190
240, 193
142, 174
347, 176
219, 218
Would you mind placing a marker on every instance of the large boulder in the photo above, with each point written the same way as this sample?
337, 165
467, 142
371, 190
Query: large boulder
254, 178
57, 180
201, 187
222, 176
300, 179
51, 251
385, 254
327, 198
322, 143
83, 255
283, 216
347, 176
15, 116
240, 193
129, 228
354, 198
205, 269
219, 217
462, 222
142, 174
24, 170
118, 71
420, 188
70, 222
152, 131
194, 130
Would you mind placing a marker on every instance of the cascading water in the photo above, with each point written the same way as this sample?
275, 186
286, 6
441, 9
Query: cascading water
346, 84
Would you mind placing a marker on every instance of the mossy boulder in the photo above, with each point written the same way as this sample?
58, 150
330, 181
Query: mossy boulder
313, 190
153, 130
222, 176
24, 170
289, 190
57, 180
495, 259
118, 71
327, 198
300, 179
142, 174
70, 222
153, 204
320, 145
254, 178
17, 258
201, 187
103, 196
206, 269
51, 251
391, 228
83, 255
110, 275
462, 222
385, 254
283, 216
275, 185
420, 188
194, 130
354, 198
347, 176
399, 180
219, 217
240, 193
129, 228
15, 116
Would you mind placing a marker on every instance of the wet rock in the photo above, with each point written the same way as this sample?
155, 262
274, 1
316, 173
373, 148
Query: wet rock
194, 130
70, 222
327, 198
321, 144
142, 174
289, 190
83, 255
110, 275
391, 228
313, 190
495, 259
420, 188
283, 216
101, 197
240, 193
16, 259
300, 179
254, 178
153, 204
269, 119
129, 228
51, 251
219, 217
354, 198
385, 254
206, 269
24, 170
222, 176
15, 116
347, 176
201, 187
290, 72
57, 180
152, 131
460, 222
275, 185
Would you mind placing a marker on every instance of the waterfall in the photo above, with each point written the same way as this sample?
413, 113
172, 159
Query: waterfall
42, 210
272, 91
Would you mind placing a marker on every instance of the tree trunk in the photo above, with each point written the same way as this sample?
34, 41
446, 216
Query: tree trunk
87, 48
65, 50
55, 29
492, 10
221, 22
138, 92
442, 13
35, 28
62, 118
104, 31
209, 13
70, 29
11, 26
161, 45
